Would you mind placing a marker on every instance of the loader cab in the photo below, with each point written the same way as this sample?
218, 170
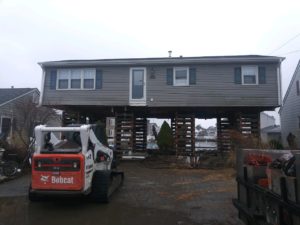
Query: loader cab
61, 142
69, 140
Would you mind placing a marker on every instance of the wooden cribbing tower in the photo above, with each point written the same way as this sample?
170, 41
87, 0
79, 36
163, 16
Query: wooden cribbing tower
124, 131
183, 127
140, 134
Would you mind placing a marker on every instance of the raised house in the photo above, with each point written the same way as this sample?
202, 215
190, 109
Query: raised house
233, 89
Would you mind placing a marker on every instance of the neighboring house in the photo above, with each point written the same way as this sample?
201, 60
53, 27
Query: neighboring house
290, 110
211, 131
266, 120
9, 97
270, 133
268, 129
200, 131
229, 88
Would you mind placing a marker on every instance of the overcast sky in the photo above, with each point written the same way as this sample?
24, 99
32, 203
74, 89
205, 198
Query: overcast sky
32, 31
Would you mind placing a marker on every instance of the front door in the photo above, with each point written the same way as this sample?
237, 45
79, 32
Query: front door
137, 86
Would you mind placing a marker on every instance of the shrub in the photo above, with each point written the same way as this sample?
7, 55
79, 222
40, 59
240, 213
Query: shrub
165, 138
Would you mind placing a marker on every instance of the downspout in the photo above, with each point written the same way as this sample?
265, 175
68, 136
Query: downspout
42, 87
279, 83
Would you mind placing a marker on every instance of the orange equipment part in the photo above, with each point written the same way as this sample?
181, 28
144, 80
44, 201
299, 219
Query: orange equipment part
58, 172
263, 182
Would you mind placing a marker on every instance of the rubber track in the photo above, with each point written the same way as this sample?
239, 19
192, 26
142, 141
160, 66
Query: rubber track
100, 186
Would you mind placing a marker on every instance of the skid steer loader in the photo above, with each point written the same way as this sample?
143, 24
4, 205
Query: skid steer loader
72, 161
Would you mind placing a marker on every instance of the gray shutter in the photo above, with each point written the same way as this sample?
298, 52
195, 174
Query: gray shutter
169, 76
237, 75
53, 77
98, 79
262, 75
192, 74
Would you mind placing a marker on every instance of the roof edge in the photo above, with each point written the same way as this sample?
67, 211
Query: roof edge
164, 60
290, 86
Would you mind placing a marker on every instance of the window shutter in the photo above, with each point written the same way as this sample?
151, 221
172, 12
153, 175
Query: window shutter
192, 74
237, 75
297, 87
98, 79
169, 76
262, 75
53, 77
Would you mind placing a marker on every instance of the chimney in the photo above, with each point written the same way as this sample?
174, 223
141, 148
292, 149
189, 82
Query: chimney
170, 53
12, 87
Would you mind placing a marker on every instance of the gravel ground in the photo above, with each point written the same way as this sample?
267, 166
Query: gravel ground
150, 195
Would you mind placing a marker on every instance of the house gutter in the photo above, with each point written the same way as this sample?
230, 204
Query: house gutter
279, 73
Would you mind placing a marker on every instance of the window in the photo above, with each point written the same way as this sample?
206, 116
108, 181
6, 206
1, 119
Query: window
249, 75
88, 79
76, 79
63, 79
181, 76
5, 126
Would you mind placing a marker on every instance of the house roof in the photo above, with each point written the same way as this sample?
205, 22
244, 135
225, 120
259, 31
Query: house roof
290, 86
164, 60
9, 94
271, 129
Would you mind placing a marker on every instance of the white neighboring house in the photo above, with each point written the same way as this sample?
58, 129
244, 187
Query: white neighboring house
268, 128
290, 110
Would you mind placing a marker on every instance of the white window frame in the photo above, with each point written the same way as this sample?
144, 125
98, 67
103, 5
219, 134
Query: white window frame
187, 78
256, 74
81, 79
58, 76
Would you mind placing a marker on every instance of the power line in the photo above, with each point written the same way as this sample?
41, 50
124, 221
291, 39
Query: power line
281, 46
287, 53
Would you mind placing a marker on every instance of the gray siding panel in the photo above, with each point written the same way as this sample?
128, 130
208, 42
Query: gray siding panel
114, 91
290, 112
214, 87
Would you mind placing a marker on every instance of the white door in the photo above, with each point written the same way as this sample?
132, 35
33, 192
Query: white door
137, 87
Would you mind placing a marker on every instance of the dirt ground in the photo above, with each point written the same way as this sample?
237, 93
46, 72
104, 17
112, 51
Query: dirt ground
149, 195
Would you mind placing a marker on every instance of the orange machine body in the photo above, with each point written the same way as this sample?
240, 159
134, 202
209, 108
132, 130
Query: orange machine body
58, 172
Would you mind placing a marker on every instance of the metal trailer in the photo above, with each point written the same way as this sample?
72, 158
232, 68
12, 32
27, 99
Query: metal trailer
277, 204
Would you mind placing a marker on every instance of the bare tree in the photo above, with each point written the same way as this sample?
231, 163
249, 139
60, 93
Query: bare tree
27, 115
